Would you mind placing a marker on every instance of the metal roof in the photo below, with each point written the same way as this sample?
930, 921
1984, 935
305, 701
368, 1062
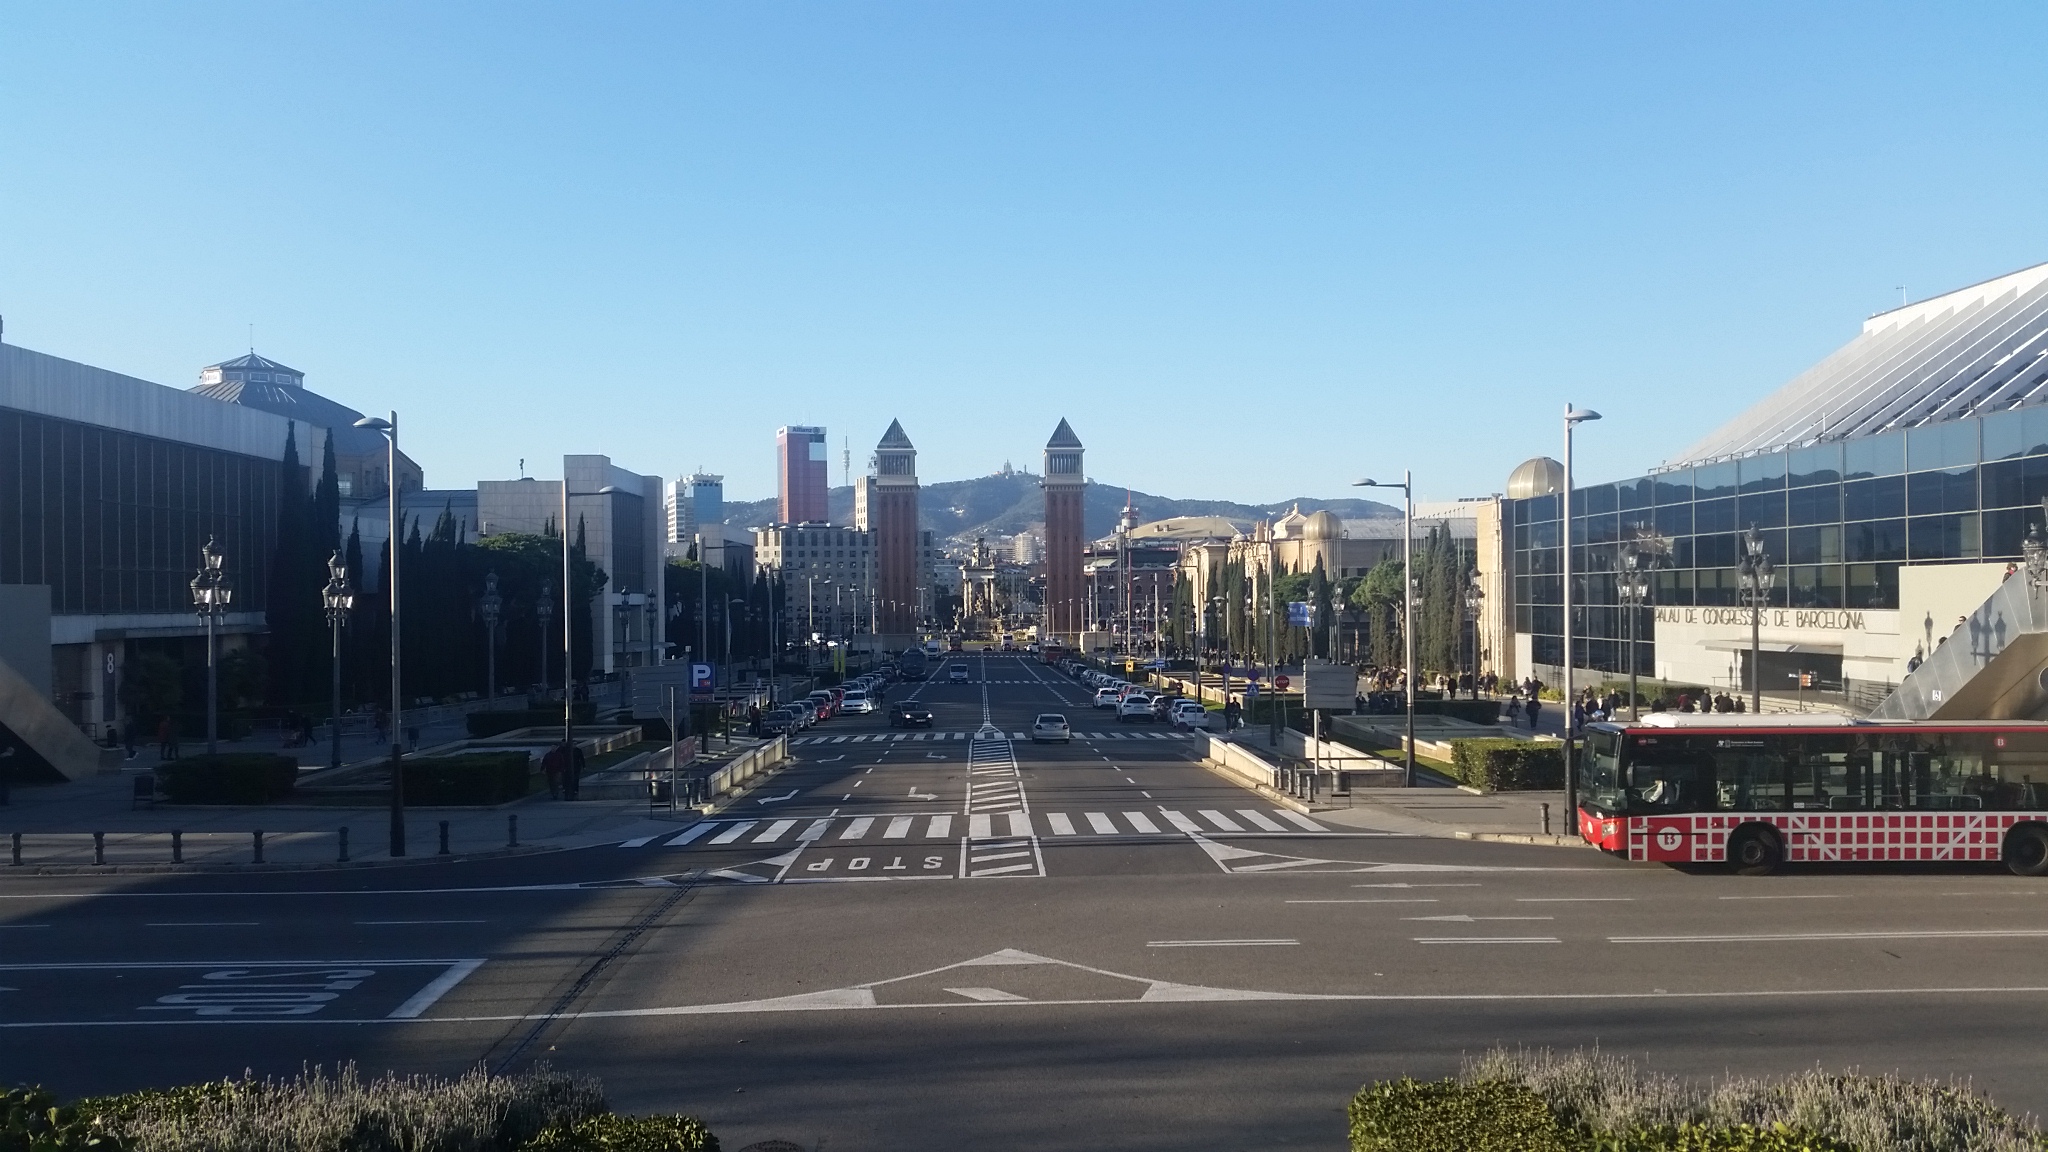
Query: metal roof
1975, 350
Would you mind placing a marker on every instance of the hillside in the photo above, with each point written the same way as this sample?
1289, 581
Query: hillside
1003, 505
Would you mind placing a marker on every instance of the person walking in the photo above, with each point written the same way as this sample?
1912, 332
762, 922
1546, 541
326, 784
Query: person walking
572, 783
1514, 711
1535, 707
166, 739
551, 767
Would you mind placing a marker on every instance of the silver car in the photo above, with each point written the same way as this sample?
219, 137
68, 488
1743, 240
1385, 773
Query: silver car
1050, 726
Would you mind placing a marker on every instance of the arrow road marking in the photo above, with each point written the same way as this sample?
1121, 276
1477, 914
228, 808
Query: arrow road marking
777, 799
916, 795
830, 759
1474, 919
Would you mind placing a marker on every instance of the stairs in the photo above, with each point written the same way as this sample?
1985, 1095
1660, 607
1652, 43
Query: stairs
45, 737
1990, 668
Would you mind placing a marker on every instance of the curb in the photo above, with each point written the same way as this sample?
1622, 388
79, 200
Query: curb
29, 870
1264, 791
1520, 838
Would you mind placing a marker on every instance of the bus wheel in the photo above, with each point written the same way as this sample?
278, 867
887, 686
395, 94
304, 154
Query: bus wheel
1755, 852
2026, 850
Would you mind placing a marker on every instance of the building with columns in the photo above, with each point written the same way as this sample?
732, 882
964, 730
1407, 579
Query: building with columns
1064, 483
892, 514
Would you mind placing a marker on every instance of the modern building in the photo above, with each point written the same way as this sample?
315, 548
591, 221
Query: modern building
109, 487
831, 578
360, 454
1890, 485
1064, 483
802, 475
693, 502
623, 533
892, 512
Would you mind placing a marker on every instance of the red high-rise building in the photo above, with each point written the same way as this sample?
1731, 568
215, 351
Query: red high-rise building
802, 473
1064, 483
892, 516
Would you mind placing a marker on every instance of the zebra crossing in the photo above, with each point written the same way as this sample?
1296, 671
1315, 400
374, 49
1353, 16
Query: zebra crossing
895, 737
998, 828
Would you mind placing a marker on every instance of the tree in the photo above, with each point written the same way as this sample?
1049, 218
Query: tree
1325, 617
1379, 597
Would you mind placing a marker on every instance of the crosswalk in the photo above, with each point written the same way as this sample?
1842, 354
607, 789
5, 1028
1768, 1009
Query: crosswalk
895, 737
994, 827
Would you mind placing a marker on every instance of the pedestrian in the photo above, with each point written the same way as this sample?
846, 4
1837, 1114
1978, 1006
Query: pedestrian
166, 739
572, 785
412, 737
1514, 711
1535, 706
128, 732
381, 722
551, 767
753, 719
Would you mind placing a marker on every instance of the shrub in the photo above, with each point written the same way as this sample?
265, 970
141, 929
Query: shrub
1490, 1116
315, 1112
1497, 764
479, 778
229, 778
483, 724
612, 1133
1472, 711
31, 1121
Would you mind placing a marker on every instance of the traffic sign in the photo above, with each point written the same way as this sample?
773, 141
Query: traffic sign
702, 678
1280, 682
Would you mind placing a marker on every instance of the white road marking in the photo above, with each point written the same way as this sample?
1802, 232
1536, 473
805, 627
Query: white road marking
1575, 899
1020, 824
1061, 825
1141, 822
638, 841
979, 827
1221, 943
1179, 821
986, 995
1800, 896
733, 833
1384, 900
691, 833
1299, 820
1901, 934
1219, 820
393, 923
204, 924
1487, 940
1259, 821
435, 989
858, 827
899, 827
939, 828
774, 832
1101, 822
1463, 919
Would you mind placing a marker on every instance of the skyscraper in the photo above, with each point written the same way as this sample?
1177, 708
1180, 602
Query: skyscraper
892, 509
1063, 483
801, 474
695, 502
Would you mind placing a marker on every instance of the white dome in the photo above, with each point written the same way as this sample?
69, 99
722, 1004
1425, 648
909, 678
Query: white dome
1538, 477
1322, 525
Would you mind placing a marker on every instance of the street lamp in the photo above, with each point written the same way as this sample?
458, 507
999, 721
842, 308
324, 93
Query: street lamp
568, 652
2035, 549
1755, 572
489, 606
1407, 487
389, 430
339, 598
543, 610
1475, 598
1573, 417
1633, 585
210, 597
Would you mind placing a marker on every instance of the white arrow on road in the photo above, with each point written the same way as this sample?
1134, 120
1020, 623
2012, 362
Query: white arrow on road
916, 795
1474, 919
776, 799
830, 759
935, 755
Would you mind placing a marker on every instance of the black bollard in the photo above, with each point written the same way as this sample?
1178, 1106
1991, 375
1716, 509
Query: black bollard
342, 836
99, 847
511, 831
177, 847
17, 849
258, 838
444, 837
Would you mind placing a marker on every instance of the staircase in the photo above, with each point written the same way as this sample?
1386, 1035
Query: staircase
1990, 668
53, 744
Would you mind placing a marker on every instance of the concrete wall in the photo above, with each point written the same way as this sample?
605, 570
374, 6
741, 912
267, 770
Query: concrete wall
25, 633
1935, 598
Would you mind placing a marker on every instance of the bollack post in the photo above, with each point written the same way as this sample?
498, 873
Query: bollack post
257, 838
444, 837
511, 831
342, 836
1546, 819
17, 849
99, 847
177, 846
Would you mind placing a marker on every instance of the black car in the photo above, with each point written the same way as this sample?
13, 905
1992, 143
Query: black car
909, 714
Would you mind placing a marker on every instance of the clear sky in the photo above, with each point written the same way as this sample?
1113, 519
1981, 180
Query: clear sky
1251, 250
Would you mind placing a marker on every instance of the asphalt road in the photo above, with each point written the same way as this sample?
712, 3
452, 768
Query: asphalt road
946, 942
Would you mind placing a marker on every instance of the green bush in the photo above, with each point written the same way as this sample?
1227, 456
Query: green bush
1446, 1116
31, 1121
479, 778
613, 1133
1470, 711
229, 778
1498, 764
484, 724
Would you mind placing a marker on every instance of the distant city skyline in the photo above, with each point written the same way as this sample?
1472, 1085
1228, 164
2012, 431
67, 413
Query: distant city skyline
1347, 238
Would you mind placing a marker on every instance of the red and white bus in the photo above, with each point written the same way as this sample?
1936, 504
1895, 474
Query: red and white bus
1759, 791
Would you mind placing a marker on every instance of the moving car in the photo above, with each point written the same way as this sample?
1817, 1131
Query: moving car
1136, 706
909, 714
1105, 698
857, 702
1050, 726
1191, 714
957, 674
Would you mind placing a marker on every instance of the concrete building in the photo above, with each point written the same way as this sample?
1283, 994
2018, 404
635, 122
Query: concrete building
623, 533
109, 487
360, 454
1064, 482
802, 475
831, 578
893, 513
693, 502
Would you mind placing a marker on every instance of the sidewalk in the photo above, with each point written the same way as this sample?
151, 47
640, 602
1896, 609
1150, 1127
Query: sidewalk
1451, 813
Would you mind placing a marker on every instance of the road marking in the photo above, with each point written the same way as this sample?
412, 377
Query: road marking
1487, 940
639, 841
1299, 820
858, 827
1179, 821
733, 833
980, 827
987, 995
1061, 825
815, 831
435, 989
1802, 896
1141, 822
789, 795
691, 833
774, 832
1464, 919
1575, 899
1259, 821
1221, 943
1101, 822
1020, 824
1901, 934
204, 924
1472, 885
899, 827
940, 827
24, 925
1386, 900
394, 923
1219, 820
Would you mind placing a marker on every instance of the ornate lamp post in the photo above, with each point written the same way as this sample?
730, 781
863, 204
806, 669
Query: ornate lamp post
339, 598
2035, 549
389, 430
1475, 598
1407, 487
490, 606
1755, 571
210, 597
544, 610
1633, 585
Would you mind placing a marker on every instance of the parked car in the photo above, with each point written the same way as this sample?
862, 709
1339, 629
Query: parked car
778, 722
856, 702
1191, 714
957, 674
1136, 706
821, 701
909, 714
1050, 726
1105, 698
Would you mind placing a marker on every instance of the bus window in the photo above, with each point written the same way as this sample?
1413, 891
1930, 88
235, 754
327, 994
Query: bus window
1670, 776
1603, 772
1748, 777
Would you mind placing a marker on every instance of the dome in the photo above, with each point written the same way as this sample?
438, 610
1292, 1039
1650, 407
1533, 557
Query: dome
1538, 477
1322, 525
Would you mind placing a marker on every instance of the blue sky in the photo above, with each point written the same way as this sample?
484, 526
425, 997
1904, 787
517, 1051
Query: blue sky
1251, 250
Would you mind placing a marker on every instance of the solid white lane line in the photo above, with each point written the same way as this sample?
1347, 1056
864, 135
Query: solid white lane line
1487, 940
1179, 821
733, 833
1259, 821
1141, 822
691, 833
858, 827
1221, 943
1298, 820
940, 827
899, 827
435, 989
204, 924
1899, 934
1061, 825
1101, 822
1386, 900
395, 923
1801, 896
774, 831
1219, 820
1575, 899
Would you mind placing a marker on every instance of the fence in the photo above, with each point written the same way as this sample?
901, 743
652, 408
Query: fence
749, 764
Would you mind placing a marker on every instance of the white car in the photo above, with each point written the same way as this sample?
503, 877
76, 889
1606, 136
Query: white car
957, 674
856, 701
1191, 714
1105, 698
1136, 706
1051, 726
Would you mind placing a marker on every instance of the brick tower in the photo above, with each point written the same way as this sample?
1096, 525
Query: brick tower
893, 516
1063, 484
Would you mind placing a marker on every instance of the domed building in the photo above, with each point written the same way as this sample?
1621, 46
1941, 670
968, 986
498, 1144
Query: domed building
1540, 476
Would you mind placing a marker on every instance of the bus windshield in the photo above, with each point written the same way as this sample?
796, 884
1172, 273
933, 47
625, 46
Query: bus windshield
1603, 785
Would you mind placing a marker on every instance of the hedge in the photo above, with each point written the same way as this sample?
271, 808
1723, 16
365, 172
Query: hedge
1499, 1116
483, 724
480, 778
229, 778
1498, 764
614, 1133
1472, 711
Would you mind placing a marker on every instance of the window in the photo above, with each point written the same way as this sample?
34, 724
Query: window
1875, 540
1875, 456
1874, 499
1822, 505
1954, 490
1949, 444
1762, 473
1820, 464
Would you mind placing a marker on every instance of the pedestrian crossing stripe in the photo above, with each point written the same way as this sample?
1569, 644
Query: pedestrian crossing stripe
981, 826
896, 737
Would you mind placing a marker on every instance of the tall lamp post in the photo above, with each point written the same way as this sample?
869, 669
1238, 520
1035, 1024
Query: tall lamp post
1634, 589
568, 618
210, 597
1756, 573
1573, 417
1407, 487
1475, 599
389, 429
489, 606
339, 598
543, 610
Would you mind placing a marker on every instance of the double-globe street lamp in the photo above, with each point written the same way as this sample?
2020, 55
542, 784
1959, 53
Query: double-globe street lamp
1755, 574
1475, 599
1407, 487
1632, 585
1573, 417
568, 630
210, 597
489, 606
389, 430
339, 598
